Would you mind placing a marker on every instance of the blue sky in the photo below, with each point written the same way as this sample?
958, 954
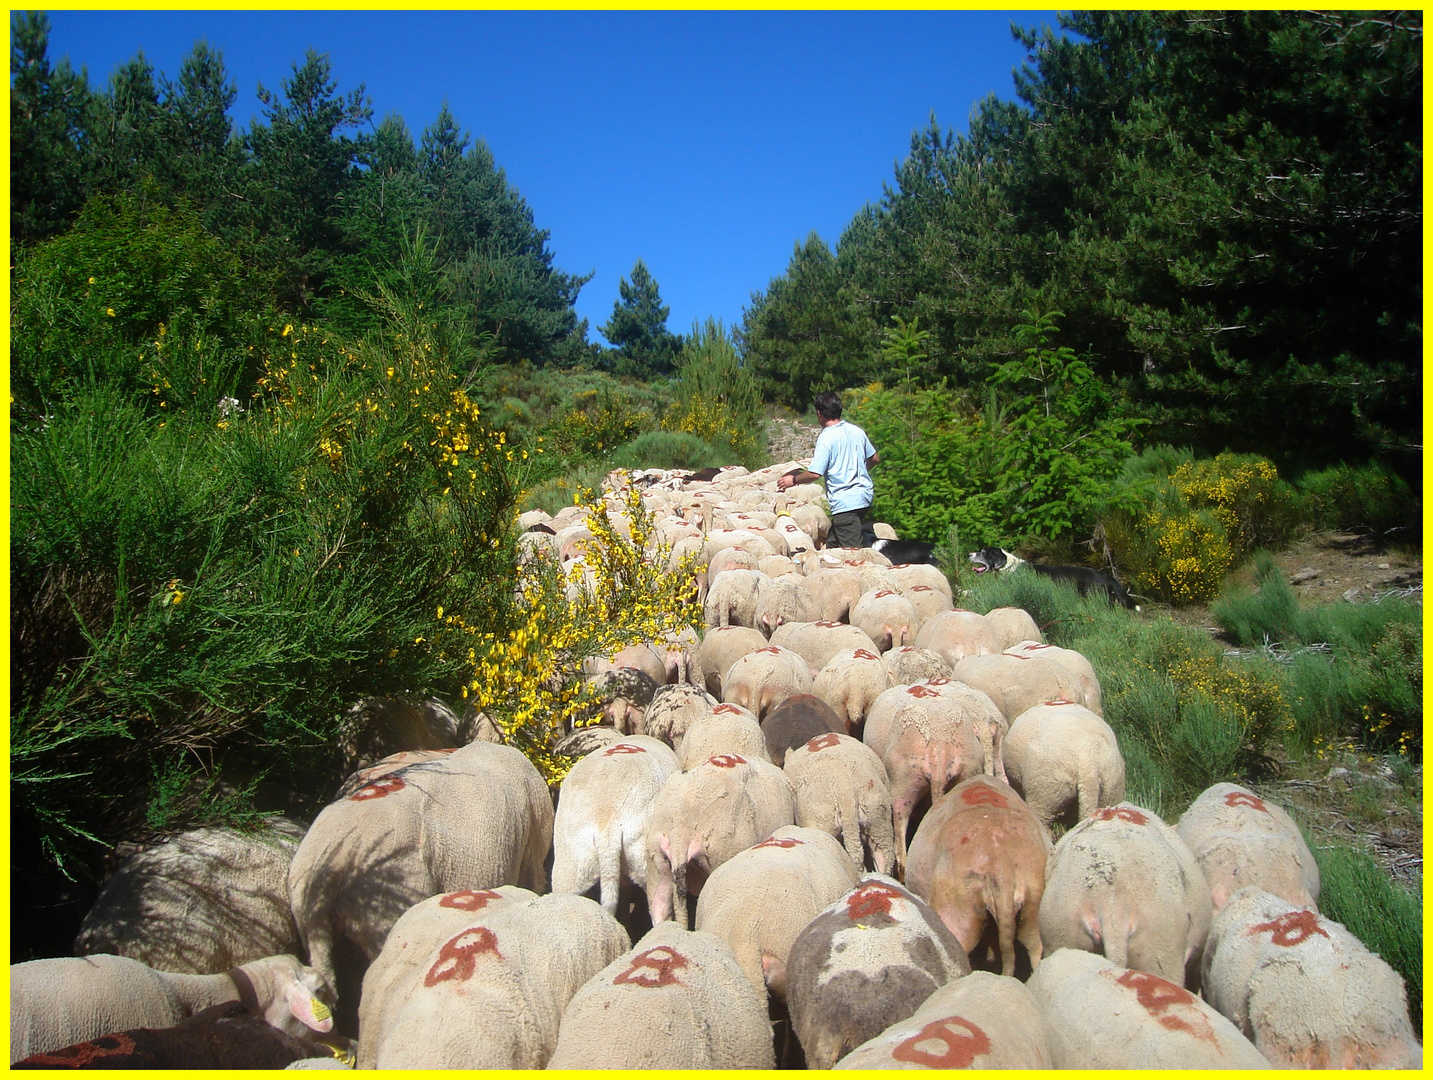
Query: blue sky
705, 143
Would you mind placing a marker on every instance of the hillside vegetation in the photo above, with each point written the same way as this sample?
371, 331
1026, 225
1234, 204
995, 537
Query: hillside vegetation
279, 393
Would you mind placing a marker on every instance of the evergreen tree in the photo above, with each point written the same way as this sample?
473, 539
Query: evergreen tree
301, 163
643, 345
126, 133
48, 140
204, 156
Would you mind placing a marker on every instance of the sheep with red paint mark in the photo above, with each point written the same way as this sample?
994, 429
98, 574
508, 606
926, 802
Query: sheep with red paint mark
704, 816
726, 729
1240, 840
1307, 992
956, 634
678, 999
834, 588
1122, 883
368, 858
479, 979
1064, 761
721, 647
979, 1021
1102, 1015
841, 787
599, 834
673, 709
780, 601
978, 859
761, 898
1076, 663
1017, 683
850, 683
864, 963
817, 642
887, 617
908, 665
731, 598
762, 680
929, 739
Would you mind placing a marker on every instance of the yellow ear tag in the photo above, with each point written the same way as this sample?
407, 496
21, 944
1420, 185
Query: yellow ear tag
321, 1011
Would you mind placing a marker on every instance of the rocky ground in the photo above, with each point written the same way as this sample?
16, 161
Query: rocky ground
1348, 795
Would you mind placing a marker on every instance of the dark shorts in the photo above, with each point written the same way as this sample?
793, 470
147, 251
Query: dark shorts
848, 529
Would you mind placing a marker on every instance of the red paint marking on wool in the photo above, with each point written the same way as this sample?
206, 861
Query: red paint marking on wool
468, 900
939, 682
1291, 929
663, 962
960, 1042
885, 592
920, 588
726, 761
384, 786
774, 650
1158, 997
980, 795
81, 1055
787, 842
623, 748
866, 654
728, 708
823, 742
922, 691
458, 959
1121, 813
1243, 798
872, 899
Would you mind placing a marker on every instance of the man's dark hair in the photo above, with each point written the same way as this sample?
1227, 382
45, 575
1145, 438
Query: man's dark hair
828, 405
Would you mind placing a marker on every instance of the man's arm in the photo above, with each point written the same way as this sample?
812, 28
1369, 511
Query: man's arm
803, 477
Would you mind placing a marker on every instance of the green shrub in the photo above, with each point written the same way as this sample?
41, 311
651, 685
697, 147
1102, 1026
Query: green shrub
554, 494
1368, 497
718, 399
200, 597
1387, 917
665, 450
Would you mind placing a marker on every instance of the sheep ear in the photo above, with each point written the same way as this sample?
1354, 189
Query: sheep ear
309, 1010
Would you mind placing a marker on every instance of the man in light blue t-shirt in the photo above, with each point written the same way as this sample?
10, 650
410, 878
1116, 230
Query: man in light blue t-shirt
843, 459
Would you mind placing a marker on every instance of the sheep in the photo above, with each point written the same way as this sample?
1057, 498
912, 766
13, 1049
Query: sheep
599, 834
886, 616
834, 588
840, 785
1074, 662
979, 1021
782, 600
927, 603
55, 1003
226, 1036
1017, 683
721, 647
1307, 992
1124, 884
1102, 1015
1239, 839
761, 898
673, 709
704, 816
374, 727
1065, 762
957, 633
1013, 625
625, 693
850, 683
678, 999
817, 642
978, 859
928, 743
761, 680
368, 858
908, 665
642, 656
731, 598
864, 963
921, 575
731, 559
480, 979
203, 902
795, 721
727, 729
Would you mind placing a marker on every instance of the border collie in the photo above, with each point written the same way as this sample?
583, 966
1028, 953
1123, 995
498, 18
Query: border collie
1084, 579
905, 551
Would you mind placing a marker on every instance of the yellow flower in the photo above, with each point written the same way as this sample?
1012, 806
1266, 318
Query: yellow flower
288, 329
109, 311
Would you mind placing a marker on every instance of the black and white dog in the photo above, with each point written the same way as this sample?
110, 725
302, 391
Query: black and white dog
1084, 579
905, 551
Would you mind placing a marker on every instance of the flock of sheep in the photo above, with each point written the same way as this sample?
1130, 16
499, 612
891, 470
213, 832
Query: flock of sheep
731, 883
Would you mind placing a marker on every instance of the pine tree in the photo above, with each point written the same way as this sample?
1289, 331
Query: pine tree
48, 140
638, 328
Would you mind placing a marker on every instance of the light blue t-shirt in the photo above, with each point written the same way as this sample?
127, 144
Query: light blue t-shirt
840, 458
